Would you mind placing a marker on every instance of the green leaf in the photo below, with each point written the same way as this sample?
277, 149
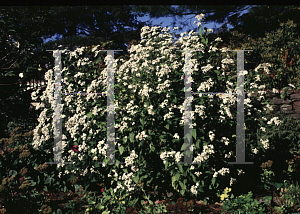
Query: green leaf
89, 115
121, 149
197, 143
183, 186
188, 136
58, 211
98, 60
99, 207
12, 173
92, 202
213, 180
48, 181
167, 126
180, 168
45, 188
136, 179
142, 122
166, 164
125, 139
194, 133
9, 74
217, 71
174, 179
131, 137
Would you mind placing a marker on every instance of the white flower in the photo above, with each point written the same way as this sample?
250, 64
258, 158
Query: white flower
211, 135
178, 156
176, 136
265, 143
255, 151
21, 75
194, 188
198, 173
275, 120
241, 172
232, 180
291, 85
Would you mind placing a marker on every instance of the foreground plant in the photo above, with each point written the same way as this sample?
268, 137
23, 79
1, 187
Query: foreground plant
22, 176
243, 204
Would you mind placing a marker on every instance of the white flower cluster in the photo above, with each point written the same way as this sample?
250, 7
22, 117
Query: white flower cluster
207, 149
221, 171
214, 49
161, 87
232, 181
194, 189
206, 85
198, 173
225, 140
141, 136
206, 68
168, 115
264, 66
200, 110
263, 129
228, 155
129, 160
211, 135
275, 120
265, 143
128, 181
145, 91
227, 109
165, 155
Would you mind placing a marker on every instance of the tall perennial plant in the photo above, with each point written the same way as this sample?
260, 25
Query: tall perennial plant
149, 118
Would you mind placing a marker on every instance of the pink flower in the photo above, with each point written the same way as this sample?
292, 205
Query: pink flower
102, 190
145, 202
75, 148
157, 202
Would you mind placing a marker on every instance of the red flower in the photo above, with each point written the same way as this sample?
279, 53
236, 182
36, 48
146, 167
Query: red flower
75, 148
102, 189
22, 179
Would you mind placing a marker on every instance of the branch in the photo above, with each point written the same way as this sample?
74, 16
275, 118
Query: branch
14, 63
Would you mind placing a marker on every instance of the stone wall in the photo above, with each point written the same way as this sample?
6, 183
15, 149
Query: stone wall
288, 107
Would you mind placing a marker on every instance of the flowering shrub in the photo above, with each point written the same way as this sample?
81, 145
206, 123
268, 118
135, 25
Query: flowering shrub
149, 92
